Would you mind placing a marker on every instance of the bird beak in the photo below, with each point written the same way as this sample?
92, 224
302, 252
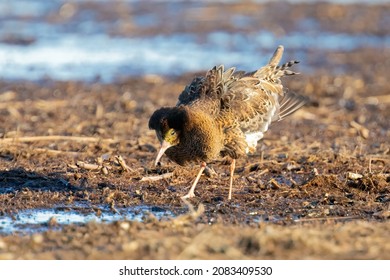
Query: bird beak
164, 146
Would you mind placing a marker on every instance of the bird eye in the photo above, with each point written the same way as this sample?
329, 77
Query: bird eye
173, 132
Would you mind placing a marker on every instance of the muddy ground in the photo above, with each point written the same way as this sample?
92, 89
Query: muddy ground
318, 186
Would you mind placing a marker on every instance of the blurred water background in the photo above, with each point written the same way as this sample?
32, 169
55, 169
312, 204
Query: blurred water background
109, 40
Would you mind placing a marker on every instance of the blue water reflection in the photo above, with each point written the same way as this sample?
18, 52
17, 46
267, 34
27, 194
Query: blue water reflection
35, 43
37, 220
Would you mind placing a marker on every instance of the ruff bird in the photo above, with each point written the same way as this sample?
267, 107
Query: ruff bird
224, 114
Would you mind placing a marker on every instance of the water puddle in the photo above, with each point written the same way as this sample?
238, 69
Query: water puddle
39, 220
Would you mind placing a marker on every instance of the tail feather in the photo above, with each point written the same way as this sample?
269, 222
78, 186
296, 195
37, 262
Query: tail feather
277, 56
227, 75
272, 72
289, 103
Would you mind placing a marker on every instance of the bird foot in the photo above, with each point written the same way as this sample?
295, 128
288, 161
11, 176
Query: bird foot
188, 195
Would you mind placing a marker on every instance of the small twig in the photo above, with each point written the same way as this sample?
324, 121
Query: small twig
264, 171
56, 138
88, 166
123, 164
275, 184
105, 170
157, 178
369, 165
55, 152
72, 166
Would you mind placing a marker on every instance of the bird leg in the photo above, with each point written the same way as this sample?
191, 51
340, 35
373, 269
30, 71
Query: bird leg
191, 192
232, 167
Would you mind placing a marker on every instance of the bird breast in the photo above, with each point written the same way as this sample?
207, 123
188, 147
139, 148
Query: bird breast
201, 140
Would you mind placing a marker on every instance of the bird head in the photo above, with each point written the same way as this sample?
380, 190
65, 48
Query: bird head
168, 124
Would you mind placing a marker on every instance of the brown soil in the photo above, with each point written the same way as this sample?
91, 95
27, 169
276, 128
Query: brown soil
317, 187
